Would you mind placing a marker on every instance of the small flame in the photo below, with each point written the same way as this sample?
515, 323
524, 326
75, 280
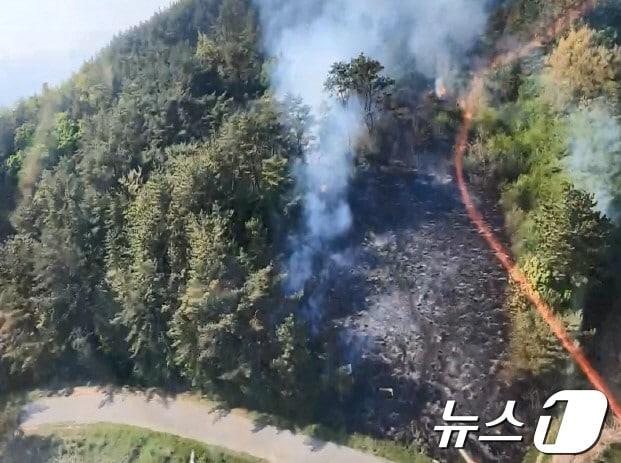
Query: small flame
441, 89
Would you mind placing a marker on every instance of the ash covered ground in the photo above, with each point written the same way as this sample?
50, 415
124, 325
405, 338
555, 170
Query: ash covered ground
416, 303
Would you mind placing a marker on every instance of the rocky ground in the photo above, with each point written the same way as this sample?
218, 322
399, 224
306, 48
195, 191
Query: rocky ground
419, 299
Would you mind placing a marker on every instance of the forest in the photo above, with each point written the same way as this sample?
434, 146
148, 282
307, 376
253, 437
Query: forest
546, 145
135, 228
146, 204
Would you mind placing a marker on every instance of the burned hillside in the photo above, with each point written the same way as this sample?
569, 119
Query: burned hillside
416, 302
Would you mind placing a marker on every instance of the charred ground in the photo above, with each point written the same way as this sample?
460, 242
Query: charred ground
416, 301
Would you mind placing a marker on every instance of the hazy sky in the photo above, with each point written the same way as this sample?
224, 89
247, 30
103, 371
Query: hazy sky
47, 40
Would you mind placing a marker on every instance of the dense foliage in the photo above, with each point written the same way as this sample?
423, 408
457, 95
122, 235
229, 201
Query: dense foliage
548, 150
139, 218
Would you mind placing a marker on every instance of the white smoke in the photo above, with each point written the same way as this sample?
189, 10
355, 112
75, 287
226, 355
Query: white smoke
306, 38
324, 178
594, 159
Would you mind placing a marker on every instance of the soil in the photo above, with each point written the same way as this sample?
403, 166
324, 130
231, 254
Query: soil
416, 300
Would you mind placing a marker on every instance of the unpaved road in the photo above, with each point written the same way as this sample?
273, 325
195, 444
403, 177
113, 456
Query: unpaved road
189, 418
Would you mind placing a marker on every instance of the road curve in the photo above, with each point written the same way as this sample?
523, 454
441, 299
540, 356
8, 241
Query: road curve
189, 418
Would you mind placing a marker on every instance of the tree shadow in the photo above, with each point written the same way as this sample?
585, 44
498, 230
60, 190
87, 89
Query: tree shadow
220, 412
31, 449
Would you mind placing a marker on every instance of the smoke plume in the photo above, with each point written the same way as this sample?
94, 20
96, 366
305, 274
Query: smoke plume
306, 38
594, 158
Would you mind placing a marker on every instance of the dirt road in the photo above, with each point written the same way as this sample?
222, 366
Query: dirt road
189, 418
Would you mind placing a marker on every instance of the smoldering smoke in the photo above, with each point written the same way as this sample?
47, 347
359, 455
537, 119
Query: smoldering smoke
305, 39
323, 178
594, 153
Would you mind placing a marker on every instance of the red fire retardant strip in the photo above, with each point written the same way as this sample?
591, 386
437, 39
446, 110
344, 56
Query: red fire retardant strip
502, 254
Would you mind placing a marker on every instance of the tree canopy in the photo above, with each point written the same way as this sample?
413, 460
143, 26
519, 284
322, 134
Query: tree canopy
361, 77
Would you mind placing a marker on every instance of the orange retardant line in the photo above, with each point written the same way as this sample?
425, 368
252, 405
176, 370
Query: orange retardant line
502, 254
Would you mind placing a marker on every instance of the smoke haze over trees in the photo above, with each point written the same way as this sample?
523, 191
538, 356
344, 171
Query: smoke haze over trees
58, 38
138, 198
169, 214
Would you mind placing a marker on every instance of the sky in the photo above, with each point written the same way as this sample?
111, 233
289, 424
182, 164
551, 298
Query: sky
47, 40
